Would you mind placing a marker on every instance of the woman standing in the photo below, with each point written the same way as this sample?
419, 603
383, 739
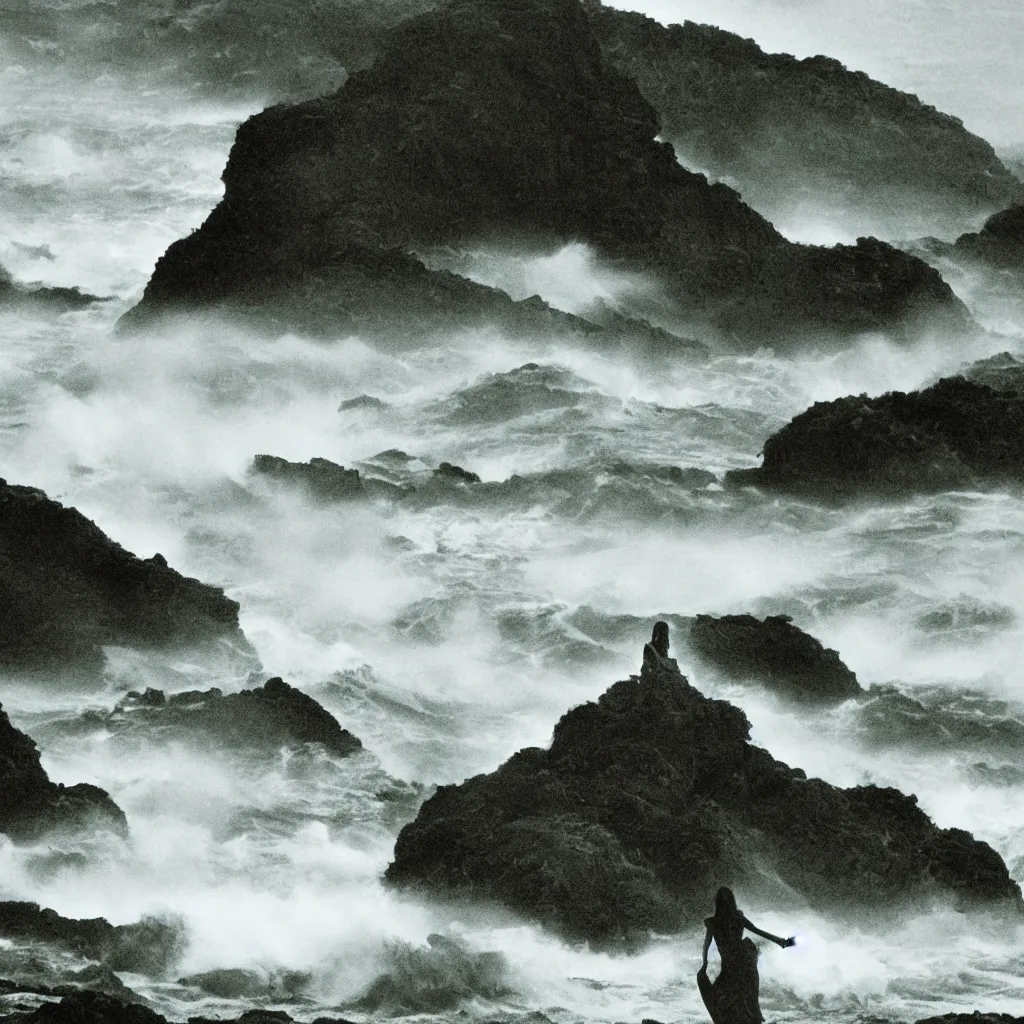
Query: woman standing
732, 998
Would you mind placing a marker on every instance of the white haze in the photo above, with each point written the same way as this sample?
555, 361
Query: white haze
152, 438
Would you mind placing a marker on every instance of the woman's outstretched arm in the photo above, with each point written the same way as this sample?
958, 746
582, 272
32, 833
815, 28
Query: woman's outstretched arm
704, 951
768, 935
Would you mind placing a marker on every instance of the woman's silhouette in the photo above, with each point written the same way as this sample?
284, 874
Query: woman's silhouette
732, 998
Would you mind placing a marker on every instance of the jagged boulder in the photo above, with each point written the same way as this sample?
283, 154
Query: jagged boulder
68, 588
324, 481
31, 805
488, 122
653, 796
264, 718
776, 653
955, 434
806, 135
15, 295
999, 243
149, 946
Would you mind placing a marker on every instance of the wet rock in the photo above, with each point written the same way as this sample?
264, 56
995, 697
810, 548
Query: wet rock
775, 653
436, 978
149, 946
955, 434
31, 805
448, 471
322, 480
263, 719
68, 588
88, 1008
973, 1018
54, 300
1001, 372
999, 244
235, 983
793, 134
650, 798
362, 402
488, 122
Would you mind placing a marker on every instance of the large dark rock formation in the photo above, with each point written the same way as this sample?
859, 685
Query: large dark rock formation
955, 434
776, 653
652, 797
31, 805
808, 133
149, 946
68, 588
264, 718
488, 122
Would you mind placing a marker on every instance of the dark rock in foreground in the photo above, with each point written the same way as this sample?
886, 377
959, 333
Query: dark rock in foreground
776, 653
68, 588
265, 718
955, 434
147, 947
651, 798
98, 1008
31, 805
323, 480
490, 123
795, 135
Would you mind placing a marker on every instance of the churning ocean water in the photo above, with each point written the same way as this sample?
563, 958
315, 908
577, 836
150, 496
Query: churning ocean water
451, 630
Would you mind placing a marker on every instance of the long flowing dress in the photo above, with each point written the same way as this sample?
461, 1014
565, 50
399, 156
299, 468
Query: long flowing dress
732, 998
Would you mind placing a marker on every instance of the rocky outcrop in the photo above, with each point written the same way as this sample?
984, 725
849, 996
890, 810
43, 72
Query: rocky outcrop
775, 653
955, 434
999, 244
16, 296
322, 480
263, 719
806, 135
148, 947
68, 588
490, 123
653, 796
99, 1008
31, 805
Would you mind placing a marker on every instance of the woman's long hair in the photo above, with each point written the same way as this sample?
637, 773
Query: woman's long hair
726, 911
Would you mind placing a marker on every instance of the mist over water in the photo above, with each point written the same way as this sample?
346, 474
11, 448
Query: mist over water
441, 630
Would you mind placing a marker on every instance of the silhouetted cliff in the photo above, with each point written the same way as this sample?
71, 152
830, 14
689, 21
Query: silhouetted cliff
792, 134
492, 122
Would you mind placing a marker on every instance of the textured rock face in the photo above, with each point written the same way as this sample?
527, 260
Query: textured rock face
776, 653
1000, 242
496, 122
31, 805
148, 947
954, 434
653, 796
264, 718
792, 132
324, 481
69, 588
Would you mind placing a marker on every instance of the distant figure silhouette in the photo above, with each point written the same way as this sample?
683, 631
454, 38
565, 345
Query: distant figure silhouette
732, 998
659, 638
